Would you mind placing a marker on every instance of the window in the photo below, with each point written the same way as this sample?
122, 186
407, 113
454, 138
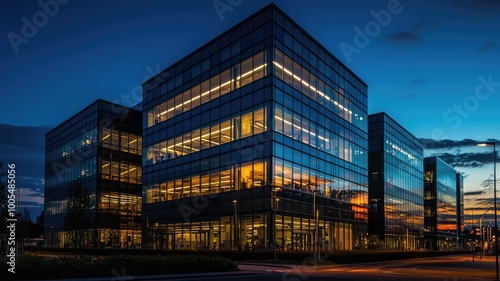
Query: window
259, 123
250, 123
246, 125
234, 77
248, 175
225, 132
429, 176
331, 96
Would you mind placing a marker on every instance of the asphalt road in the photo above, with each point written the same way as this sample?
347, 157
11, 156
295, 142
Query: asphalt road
448, 268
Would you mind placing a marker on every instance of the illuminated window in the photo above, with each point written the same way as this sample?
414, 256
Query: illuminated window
248, 175
205, 182
239, 75
170, 190
246, 125
259, 174
278, 120
220, 133
429, 176
294, 74
105, 169
225, 132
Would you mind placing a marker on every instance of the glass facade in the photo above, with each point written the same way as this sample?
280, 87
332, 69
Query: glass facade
95, 155
262, 114
460, 204
442, 206
224, 131
396, 202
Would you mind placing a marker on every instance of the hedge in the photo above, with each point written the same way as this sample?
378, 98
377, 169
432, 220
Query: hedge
84, 266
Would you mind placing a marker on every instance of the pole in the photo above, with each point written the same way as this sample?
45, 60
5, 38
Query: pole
495, 202
481, 231
317, 233
235, 225
276, 189
274, 234
473, 242
407, 240
315, 229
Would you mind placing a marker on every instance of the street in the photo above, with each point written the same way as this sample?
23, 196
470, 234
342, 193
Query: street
449, 268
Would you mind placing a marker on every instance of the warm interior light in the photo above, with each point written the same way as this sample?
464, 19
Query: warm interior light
258, 124
132, 169
298, 127
213, 89
311, 87
484, 144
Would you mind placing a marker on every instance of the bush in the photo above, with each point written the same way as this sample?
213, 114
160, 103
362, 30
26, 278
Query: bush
39, 267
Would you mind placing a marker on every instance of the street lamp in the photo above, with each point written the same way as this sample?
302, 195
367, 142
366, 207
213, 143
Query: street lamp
316, 228
235, 225
481, 231
51, 243
276, 189
494, 196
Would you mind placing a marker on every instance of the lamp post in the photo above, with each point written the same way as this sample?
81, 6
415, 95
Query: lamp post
481, 231
235, 225
316, 228
407, 240
51, 243
276, 189
494, 197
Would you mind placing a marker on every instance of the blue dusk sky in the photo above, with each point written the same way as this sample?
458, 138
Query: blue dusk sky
431, 65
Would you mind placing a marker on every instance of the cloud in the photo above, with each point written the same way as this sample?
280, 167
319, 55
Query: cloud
418, 81
22, 139
403, 37
466, 160
487, 47
413, 83
456, 4
25, 147
409, 95
478, 8
425, 25
483, 7
445, 143
475, 192
459, 159
31, 196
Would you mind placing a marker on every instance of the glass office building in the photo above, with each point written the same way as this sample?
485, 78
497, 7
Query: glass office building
256, 140
442, 204
396, 202
93, 179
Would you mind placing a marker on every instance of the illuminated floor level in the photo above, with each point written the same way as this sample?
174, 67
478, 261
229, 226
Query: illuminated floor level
252, 232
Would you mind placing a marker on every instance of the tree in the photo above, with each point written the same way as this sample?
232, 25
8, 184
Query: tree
3, 208
25, 224
3, 200
24, 227
79, 222
37, 231
374, 243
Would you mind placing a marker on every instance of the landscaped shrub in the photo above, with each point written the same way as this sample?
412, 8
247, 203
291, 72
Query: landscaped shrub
40, 267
